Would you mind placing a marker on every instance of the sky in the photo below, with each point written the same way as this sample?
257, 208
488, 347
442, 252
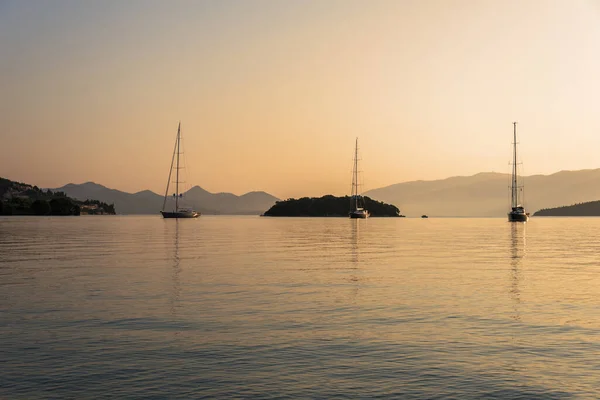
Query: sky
272, 94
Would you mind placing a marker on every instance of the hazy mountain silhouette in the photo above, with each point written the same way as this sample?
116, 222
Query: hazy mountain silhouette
487, 194
147, 202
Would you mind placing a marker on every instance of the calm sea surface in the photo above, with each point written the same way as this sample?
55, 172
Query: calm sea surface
250, 307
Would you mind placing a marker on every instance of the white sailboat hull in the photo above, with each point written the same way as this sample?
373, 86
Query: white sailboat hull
180, 214
359, 214
518, 216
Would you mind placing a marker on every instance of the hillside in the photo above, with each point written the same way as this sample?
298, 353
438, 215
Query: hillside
588, 209
18, 198
487, 194
147, 202
328, 206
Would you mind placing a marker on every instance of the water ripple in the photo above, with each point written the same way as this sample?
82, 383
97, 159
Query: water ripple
248, 307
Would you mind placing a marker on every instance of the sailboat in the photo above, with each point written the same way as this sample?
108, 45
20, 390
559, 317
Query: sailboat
517, 211
357, 202
177, 212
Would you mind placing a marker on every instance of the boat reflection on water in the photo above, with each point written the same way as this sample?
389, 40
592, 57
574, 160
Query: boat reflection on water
517, 253
354, 237
175, 269
355, 259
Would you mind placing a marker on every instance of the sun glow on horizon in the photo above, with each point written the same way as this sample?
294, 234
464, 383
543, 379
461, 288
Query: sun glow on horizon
272, 94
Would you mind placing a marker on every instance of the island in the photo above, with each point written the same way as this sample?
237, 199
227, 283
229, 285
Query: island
587, 209
18, 198
328, 206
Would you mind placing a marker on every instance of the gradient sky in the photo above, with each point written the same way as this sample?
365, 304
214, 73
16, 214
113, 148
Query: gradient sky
271, 94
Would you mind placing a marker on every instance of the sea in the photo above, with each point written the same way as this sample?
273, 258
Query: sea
248, 307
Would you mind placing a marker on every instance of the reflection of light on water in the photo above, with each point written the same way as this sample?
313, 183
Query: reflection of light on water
176, 269
517, 252
355, 255
355, 234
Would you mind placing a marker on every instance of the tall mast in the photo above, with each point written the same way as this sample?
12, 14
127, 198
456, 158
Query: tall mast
170, 172
177, 174
356, 175
514, 188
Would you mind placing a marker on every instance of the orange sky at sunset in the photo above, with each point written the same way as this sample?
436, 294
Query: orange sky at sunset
271, 94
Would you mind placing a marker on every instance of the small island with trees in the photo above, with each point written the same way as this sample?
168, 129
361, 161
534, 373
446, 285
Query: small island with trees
587, 209
328, 206
18, 198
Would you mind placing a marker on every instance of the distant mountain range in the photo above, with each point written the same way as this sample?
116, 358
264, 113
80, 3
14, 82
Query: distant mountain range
487, 194
482, 195
147, 202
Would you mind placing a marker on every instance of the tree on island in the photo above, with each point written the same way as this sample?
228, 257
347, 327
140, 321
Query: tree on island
105, 207
63, 206
328, 206
18, 198
587, 209
41, 207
